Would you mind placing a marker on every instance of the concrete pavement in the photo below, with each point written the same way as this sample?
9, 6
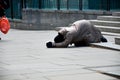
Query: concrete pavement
24, 56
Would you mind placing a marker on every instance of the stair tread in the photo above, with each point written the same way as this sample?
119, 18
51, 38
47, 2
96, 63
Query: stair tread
107, 27
108, 45
110, 33
116, 13
110, 16
118, 37
105, 21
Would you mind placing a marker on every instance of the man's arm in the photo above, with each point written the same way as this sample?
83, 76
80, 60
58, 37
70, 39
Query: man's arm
66, 42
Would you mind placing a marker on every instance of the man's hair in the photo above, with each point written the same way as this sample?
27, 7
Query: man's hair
59, 38
103, 39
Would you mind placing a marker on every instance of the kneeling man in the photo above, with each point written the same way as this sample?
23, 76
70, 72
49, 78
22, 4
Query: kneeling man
80, 33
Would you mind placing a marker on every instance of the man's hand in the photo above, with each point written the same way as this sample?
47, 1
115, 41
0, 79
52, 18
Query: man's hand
49, 45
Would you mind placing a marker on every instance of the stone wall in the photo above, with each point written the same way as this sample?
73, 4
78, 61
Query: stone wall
36, 19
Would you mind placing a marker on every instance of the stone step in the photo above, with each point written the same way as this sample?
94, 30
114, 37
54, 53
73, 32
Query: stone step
117, 40
107, 45
109, 29
105, 23
116, 13
109, 18
110, 34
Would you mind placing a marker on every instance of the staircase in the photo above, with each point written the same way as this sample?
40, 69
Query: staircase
109, 25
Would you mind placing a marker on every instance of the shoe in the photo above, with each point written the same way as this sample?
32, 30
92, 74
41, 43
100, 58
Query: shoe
103, 39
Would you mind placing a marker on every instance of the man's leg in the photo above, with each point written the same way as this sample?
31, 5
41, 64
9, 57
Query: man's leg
81, 43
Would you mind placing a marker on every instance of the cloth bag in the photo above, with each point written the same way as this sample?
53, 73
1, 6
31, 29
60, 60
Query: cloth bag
4, 25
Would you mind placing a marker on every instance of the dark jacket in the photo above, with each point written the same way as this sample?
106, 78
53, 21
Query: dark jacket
4, 4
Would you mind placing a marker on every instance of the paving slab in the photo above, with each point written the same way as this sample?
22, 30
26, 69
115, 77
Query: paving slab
113, 70
24, 56
108, 45
91, 76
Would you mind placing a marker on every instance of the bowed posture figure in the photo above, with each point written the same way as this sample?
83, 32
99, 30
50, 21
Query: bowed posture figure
80, 33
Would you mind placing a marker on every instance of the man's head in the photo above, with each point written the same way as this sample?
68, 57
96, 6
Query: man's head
59, 38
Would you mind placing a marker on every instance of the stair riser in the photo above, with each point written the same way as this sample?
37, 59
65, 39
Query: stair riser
108, 19
106, 24
117, 41
116, 14
109, 30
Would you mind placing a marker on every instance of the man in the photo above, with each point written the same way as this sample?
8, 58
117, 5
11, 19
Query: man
4, 4
80, 33
4, 23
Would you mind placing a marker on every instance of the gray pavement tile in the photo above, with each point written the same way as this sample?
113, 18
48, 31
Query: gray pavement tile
113, 70
18, 60
30, 66
91, 76
66, 72
34, 76
114, 79
12, 77
22, 77
89, 58
16, 72
23, 54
